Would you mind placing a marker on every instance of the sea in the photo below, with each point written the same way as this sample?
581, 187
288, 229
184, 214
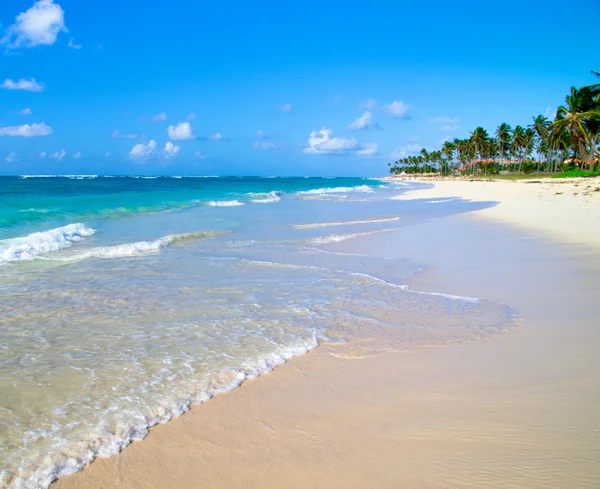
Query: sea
126, 300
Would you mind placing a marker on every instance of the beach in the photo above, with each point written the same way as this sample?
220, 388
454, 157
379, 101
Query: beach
516, 407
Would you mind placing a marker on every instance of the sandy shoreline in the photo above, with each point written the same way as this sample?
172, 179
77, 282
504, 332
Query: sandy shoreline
518, 410
568, 210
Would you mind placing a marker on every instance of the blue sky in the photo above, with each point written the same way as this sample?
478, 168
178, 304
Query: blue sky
270, 88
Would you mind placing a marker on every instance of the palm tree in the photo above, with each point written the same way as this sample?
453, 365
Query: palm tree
518, 144
540, 125
478, 139
504, 137
580, 116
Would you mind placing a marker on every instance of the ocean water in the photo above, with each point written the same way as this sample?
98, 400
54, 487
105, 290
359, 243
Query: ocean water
126, 300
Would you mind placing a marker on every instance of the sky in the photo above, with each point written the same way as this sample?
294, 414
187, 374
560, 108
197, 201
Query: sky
274, 88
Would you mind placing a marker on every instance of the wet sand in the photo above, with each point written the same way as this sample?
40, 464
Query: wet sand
518, 410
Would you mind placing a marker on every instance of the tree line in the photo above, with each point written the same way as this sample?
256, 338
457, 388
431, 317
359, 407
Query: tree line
569, 141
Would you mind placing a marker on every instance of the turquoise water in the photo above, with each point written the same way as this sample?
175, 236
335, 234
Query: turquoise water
123, 301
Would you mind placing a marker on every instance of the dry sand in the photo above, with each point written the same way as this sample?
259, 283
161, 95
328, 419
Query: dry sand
566, 209
520, 410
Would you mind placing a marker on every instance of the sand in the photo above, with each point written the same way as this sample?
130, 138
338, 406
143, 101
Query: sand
517, 410
564, 209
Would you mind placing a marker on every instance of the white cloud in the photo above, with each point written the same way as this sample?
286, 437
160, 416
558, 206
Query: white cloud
550, 112
368, 149
159, 117
43, 154
73, 45
26, 130
260, 134
217, 136
11, 157
404, 152
199, 155
171, 150
285, 108
368, 104
182, 130
364, 122
414, 148
142, 151
58, 155
191, 117
77, 155
397, 109
38, 25
117, 134
30, 85
321, 142
264, 145
26, 111
449, 124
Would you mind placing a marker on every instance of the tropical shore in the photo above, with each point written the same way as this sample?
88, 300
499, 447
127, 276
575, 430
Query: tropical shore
517, 410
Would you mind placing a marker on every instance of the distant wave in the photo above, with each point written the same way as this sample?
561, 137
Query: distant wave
336, 190
265, 198
225, 203
329, 224
72, 177
33, 245
134, 249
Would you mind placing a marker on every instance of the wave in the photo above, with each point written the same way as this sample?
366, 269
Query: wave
336, 238
336, 190
346, 223
133, 249
225, 203
35, 244
265, 198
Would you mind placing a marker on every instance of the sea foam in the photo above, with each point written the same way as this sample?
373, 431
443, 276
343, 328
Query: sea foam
135, 248
225, 203
35, 244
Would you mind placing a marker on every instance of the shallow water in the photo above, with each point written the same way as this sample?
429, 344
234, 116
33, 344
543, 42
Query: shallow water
114, 321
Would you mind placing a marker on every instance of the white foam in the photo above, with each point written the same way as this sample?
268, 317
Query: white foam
132, 249
265, 198
337, 190
225, 203
336, 238
36, 244
329, 224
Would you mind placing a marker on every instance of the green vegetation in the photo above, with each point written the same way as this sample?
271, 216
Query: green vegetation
567, 146
577, 174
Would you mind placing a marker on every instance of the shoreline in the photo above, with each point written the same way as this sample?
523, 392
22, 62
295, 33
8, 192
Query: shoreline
264, 433
567, 210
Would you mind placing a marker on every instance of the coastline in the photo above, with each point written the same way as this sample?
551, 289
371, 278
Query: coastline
567, 210
490, 413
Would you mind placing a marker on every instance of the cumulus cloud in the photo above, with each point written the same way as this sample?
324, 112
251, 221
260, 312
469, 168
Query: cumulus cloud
11, 157
43, 154
368, 104
397, 109
142, 151
199, 155
39, 25
58, 155
364, 122
31, 85
285, 108
26, 111
368, 149
26, 130
170, 150
117, 134
77, 155
448, 124
321, 142
264, 145
181, 131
